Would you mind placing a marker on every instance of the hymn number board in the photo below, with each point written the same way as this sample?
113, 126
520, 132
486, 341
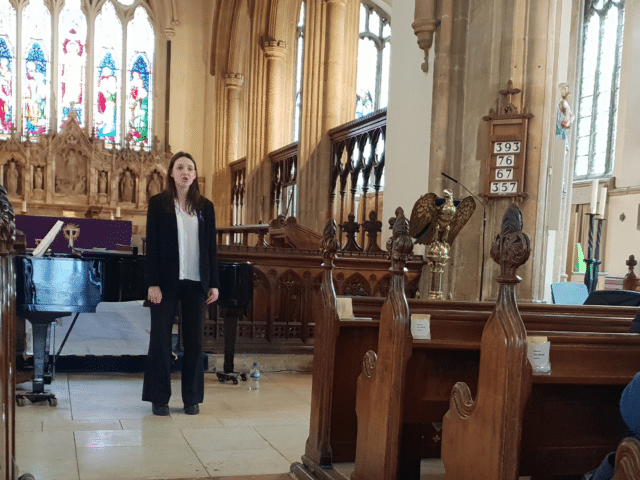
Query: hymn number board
506, 160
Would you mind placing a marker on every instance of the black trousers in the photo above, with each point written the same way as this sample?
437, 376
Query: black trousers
156, 387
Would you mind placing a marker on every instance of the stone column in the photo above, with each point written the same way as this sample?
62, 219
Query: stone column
334, 56
274, 51
441, 99
232, 84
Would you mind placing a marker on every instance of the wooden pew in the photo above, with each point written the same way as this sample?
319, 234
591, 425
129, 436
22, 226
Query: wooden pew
8, 466
344, 344
541, 425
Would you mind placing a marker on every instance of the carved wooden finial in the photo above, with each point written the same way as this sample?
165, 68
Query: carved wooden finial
629, 280
400, 245
373, 227
330, 244
7, 223
512, 246
351, 228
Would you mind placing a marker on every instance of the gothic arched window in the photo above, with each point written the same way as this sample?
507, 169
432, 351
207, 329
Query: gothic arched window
111, 92
7, 66
598, 88
108, 74
140, 43
297, 103
36, 57
372, 84
72, 63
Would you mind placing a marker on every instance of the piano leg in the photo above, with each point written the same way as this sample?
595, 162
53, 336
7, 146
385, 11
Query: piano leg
231, 317
43, 361
40, 331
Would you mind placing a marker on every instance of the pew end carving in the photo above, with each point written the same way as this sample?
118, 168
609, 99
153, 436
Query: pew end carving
381, 384
504, 381
318, 449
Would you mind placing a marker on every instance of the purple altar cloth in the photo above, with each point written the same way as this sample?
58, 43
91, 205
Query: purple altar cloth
94, 232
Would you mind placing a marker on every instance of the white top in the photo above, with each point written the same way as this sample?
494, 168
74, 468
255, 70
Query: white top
188, 245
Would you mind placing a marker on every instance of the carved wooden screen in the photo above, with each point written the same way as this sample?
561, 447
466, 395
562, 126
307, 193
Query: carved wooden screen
238, 176
284, 169
357, 168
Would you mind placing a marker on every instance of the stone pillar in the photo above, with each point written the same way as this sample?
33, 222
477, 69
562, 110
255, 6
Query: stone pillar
441, 101
333, 61
232, 84
274, 51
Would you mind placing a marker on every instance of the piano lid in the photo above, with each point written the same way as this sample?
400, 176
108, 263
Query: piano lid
57, 284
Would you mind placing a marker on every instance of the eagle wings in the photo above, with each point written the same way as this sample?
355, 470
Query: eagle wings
430, 222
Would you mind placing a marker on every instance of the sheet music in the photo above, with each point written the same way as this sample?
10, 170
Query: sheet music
46, 241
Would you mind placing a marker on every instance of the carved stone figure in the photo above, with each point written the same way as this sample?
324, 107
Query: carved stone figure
71, 173
102, 182
126, 187
12, 178
37, 178
155, 184
80, 186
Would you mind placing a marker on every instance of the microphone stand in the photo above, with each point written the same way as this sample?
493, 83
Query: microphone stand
484, 228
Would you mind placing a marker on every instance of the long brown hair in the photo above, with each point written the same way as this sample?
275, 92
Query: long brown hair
194, 199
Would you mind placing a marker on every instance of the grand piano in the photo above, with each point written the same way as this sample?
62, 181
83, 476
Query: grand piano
51, 287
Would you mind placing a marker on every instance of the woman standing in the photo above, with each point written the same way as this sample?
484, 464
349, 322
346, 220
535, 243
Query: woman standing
181, 266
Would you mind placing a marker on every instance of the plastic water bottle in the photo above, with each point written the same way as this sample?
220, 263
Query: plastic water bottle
254, 377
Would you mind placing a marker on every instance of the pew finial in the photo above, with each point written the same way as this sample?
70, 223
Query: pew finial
511, 247
7, 223
330, 244
400, 244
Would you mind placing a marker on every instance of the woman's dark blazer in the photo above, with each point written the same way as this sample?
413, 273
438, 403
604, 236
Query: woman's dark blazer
162, 257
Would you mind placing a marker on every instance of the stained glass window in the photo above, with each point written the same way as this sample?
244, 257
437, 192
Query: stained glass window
297, 106
598, 88
36, 38
140, 43
72, 59
108, 76
7, 66
372, 84
114, 96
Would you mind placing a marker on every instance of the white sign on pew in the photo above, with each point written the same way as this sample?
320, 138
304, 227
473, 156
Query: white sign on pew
538, 354
345, 308
421, 326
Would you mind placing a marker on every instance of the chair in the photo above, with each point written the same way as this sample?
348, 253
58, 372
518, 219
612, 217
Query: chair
569, 293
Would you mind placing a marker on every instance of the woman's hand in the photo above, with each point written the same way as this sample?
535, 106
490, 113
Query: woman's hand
154, 295
212, 296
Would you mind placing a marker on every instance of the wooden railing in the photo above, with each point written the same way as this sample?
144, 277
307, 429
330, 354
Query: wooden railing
241, 234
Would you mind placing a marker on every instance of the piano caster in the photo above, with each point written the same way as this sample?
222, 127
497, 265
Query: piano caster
33, 397
231, 376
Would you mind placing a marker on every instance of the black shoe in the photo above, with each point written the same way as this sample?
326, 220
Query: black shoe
192, 409
159, 409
